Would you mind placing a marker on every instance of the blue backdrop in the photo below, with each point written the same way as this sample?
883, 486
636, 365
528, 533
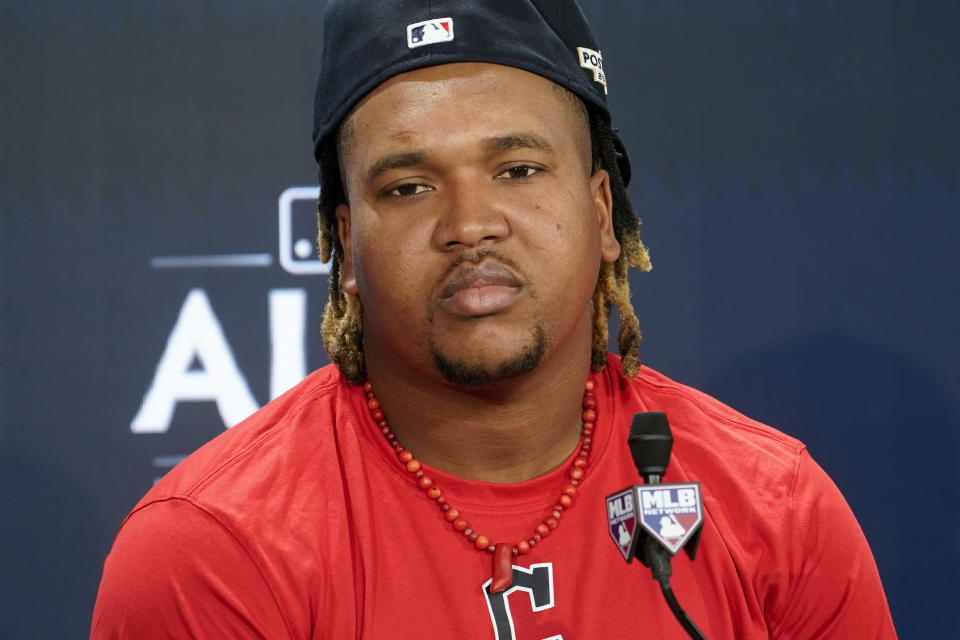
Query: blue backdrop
797, 166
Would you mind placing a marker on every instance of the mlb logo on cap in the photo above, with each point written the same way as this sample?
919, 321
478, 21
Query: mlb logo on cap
429, 32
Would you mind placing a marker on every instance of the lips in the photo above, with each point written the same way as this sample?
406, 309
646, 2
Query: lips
474, 290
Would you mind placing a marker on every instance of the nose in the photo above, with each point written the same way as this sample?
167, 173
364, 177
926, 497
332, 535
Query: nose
470, 215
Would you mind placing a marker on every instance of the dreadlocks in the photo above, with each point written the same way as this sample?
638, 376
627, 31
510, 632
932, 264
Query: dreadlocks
343, 317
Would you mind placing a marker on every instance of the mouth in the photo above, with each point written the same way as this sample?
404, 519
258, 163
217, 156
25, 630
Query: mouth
476, 290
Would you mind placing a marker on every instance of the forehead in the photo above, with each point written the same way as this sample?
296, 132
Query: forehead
469, 97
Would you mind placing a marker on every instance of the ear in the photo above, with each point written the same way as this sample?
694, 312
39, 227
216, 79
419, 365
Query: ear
603, 205
348, 276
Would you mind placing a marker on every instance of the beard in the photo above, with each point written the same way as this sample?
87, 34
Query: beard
459, 372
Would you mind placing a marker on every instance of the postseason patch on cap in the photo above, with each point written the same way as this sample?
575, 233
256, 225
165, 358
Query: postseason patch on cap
593, 60
429, 32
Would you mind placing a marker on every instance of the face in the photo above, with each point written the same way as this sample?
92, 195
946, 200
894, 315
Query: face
474, 228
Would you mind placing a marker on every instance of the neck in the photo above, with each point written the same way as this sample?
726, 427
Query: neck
515, 431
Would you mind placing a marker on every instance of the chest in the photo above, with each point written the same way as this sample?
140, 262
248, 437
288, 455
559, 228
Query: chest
399, 571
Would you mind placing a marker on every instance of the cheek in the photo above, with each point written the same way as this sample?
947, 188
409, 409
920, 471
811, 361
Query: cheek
568, 231
390, 276
571, 247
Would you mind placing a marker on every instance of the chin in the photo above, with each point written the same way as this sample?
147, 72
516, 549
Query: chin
462, 372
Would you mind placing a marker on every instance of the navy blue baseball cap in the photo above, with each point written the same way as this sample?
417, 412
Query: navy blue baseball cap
366, 42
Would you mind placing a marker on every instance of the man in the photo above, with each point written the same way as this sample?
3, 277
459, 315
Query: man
446, 477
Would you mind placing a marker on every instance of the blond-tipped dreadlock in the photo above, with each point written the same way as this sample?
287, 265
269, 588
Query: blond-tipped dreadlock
613, 286
343, 317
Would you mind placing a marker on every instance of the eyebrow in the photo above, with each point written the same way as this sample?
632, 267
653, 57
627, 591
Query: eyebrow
406, 159
517, 140
400, 160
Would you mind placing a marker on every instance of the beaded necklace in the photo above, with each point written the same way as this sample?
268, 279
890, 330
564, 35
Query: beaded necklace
502, 552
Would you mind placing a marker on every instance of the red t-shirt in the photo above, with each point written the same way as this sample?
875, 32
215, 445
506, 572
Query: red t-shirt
300, 523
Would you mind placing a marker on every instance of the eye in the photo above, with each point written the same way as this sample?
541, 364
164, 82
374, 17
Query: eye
408, 189
520, 171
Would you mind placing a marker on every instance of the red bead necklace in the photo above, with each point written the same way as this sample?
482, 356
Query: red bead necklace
502, 552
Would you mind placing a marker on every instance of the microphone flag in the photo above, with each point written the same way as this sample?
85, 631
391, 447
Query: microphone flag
671, 514
622, 518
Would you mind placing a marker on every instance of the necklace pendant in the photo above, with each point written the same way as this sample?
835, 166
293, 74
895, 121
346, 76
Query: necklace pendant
502, 567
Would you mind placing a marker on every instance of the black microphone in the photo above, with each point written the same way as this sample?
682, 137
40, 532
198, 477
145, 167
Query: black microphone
653, 521
650, 443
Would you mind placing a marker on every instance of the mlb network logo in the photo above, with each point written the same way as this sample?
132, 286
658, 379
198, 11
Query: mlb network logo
429, 32
669, 513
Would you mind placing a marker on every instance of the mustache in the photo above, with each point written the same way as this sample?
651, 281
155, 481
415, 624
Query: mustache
476, 257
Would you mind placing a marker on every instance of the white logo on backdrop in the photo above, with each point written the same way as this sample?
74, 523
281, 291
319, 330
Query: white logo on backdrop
197, 337
197, 362
298, 254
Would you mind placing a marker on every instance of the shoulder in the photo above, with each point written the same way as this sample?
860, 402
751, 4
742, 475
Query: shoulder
776, 514
706, 430
175, 571
287, 433
748, 472
240, 511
